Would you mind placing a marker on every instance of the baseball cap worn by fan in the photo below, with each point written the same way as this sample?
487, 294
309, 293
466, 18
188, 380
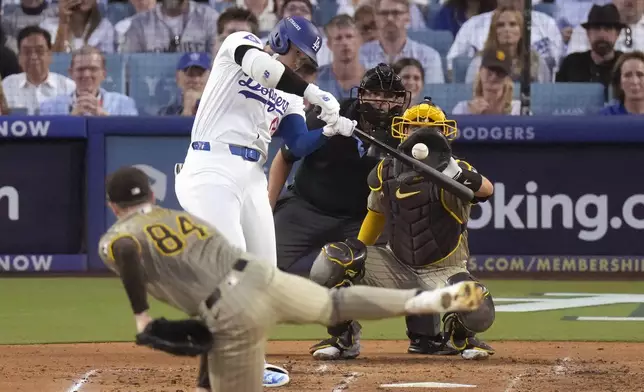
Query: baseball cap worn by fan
128, 186
496, 60
201, 60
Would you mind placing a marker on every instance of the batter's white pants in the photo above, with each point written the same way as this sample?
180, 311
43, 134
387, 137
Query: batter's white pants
231, 194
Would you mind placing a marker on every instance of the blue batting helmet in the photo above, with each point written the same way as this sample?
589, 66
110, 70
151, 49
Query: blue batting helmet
298, 31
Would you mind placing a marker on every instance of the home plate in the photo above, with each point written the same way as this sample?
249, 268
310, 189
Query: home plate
427, 385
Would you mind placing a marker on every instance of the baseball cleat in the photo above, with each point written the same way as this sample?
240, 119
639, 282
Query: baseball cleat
472, 348
332, 348
274, 379
463, 296
431, 345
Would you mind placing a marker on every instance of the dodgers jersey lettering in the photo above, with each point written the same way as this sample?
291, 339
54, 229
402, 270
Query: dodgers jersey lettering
183, 259
234, 108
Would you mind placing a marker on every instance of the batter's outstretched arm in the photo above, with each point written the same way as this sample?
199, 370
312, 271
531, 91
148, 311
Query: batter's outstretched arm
127, 253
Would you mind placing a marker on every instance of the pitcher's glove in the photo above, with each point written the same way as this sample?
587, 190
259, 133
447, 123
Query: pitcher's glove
182, 337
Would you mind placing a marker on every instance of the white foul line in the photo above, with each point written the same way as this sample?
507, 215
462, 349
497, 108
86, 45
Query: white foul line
591, 318
85, 378
427, 385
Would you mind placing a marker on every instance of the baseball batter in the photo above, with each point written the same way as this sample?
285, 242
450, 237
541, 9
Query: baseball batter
250, 96
186, 263
427, 245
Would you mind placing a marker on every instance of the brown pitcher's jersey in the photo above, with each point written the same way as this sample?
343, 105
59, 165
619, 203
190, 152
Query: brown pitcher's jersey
428, 225
183, 259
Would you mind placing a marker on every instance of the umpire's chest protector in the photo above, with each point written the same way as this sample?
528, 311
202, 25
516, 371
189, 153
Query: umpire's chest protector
422, 231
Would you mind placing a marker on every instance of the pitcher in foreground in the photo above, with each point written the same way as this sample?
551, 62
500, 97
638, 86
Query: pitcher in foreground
186, 263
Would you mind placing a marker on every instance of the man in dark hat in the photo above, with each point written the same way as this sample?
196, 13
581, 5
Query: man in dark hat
595, 65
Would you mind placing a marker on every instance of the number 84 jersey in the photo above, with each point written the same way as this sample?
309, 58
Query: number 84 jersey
182, 258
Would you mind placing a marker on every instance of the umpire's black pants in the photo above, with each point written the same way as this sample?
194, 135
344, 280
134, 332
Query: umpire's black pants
301, 230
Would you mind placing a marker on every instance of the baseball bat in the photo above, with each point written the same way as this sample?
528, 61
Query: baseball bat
441, 180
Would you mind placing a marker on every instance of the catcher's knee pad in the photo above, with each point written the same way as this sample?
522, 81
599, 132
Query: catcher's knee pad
482, 318
339, 264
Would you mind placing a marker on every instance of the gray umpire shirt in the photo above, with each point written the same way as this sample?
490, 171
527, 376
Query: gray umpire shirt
152, 31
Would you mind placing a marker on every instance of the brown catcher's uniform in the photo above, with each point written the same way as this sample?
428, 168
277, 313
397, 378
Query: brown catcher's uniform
427, 249
428, 242
189, 265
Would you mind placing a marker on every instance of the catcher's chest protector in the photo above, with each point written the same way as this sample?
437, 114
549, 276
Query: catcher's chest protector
422, 231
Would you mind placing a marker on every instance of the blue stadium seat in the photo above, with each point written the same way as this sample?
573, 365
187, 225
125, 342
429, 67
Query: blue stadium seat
441, 40
115, 63
119, 11
566, 98
152, 81
446, 96
459, 68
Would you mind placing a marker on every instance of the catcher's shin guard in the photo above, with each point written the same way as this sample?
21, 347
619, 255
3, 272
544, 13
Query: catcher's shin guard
339, 264
461, 327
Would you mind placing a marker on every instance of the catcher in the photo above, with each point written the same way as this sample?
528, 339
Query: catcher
427, 245
234, 298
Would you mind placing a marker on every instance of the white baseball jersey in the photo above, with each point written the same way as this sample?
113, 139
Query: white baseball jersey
234, 108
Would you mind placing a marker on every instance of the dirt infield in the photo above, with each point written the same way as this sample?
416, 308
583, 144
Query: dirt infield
517, 366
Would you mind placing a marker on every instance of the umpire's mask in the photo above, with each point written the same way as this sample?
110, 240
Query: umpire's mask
381, 96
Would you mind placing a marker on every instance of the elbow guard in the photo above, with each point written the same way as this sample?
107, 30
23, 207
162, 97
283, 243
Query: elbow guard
264, 69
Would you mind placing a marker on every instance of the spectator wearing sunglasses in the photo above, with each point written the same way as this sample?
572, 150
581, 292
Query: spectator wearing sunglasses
365, 17
630, 38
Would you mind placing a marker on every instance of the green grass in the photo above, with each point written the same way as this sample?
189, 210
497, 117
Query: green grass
57, 310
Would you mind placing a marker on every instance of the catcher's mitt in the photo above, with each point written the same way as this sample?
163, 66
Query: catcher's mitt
440, 150
183, 337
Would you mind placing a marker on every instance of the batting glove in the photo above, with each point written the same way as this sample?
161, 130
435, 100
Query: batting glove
326, 101
343, 126
453, 170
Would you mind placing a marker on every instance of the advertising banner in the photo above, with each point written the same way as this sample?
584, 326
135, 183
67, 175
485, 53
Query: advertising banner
42, 196
558, 199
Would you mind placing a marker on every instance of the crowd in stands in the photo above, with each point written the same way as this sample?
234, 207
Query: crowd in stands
88, 57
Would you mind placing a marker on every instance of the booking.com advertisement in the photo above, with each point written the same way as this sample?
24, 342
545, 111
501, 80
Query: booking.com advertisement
562, 203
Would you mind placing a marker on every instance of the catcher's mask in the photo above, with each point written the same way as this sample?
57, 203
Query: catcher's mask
425, 114
381, 96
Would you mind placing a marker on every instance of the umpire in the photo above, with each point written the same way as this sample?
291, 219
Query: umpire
327, 201
327, 197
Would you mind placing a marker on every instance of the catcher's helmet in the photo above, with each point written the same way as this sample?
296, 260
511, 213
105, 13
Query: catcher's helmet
381, 96
298, 31
425, 114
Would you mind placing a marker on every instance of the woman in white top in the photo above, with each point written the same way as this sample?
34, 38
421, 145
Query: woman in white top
80, 23
505, 33
493, 88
